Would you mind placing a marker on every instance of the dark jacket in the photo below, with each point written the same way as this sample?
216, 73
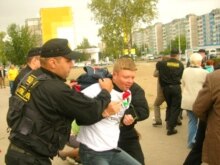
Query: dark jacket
170, 72
19, 77
45, 125
139, 109
3, 73
207, 108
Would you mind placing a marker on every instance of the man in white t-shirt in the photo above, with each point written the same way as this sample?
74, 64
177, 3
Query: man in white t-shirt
98, 142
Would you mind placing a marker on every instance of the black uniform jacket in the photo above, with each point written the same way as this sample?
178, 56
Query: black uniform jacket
53, 105
170, 72
19, 77
53, 98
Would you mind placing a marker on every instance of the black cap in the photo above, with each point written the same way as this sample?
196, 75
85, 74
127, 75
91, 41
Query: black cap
58, 47
34, 52
174, 51
201, 51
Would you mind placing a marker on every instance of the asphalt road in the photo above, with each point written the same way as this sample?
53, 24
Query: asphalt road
159, 149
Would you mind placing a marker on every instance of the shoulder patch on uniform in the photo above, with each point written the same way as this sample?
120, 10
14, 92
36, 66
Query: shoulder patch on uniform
173, 64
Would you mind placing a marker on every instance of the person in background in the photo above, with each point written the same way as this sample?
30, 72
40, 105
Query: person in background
33, 63
216, 64
49, 106
192, 81
202, 52
2, 76
209, 66
159, 98
207, 108
195, 155
170, 74
12, 74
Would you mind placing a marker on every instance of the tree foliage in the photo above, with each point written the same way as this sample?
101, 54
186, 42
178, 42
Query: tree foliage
2, 45
84, 45
19, 43
175, 44
118, 18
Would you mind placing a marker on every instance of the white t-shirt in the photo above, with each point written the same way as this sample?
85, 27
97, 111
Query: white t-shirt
104, 134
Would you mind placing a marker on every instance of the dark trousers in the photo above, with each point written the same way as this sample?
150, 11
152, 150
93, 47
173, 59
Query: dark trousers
173, 96
19, 157
195, 155
133, 148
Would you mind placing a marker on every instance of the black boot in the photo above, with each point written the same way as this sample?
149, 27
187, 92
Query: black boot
171, 131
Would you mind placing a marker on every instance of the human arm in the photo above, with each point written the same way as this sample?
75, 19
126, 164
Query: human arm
156, 73
112, 109
139, 106
76, 105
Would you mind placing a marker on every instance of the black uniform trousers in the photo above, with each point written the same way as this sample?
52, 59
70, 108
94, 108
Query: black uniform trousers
195, 155
18, 156
173, 96
133, 148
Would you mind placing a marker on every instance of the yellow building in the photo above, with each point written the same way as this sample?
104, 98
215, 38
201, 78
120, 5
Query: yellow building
57, 23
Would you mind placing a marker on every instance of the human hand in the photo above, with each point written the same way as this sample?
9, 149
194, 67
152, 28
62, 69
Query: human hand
128, 119
113, 108
106, 83
73, 83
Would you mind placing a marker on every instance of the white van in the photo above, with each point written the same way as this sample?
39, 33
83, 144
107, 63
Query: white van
150, 57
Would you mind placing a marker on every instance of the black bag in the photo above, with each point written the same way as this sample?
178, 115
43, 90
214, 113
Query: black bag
91, 76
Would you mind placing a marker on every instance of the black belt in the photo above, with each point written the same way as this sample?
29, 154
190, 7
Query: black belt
172, 85
18, 149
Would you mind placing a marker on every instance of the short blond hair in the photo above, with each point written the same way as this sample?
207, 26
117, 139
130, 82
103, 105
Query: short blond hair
124, 64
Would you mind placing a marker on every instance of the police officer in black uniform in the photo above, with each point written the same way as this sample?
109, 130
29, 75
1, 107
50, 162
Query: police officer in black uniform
49, 106
33, 63
170, 74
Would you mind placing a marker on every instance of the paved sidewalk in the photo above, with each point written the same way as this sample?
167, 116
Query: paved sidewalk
159, 149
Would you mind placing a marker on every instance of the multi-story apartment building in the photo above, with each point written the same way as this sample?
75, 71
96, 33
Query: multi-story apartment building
210, 28
200, 31
192, 26
138, 37
216, 14
34, 26
149, 39
171, 31
158, 38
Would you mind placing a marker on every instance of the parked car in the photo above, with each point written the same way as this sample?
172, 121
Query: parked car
150, 57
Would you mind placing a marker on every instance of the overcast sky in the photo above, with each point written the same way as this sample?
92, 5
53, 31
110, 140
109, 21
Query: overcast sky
16, 11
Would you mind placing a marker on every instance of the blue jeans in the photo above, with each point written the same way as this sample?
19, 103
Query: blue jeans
11, 83
110, 157
192, 128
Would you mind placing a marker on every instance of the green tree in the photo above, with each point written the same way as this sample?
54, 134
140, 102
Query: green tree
118, 18
3, 59
84, 45
20, 42
175, 44
138, 50
113, 41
